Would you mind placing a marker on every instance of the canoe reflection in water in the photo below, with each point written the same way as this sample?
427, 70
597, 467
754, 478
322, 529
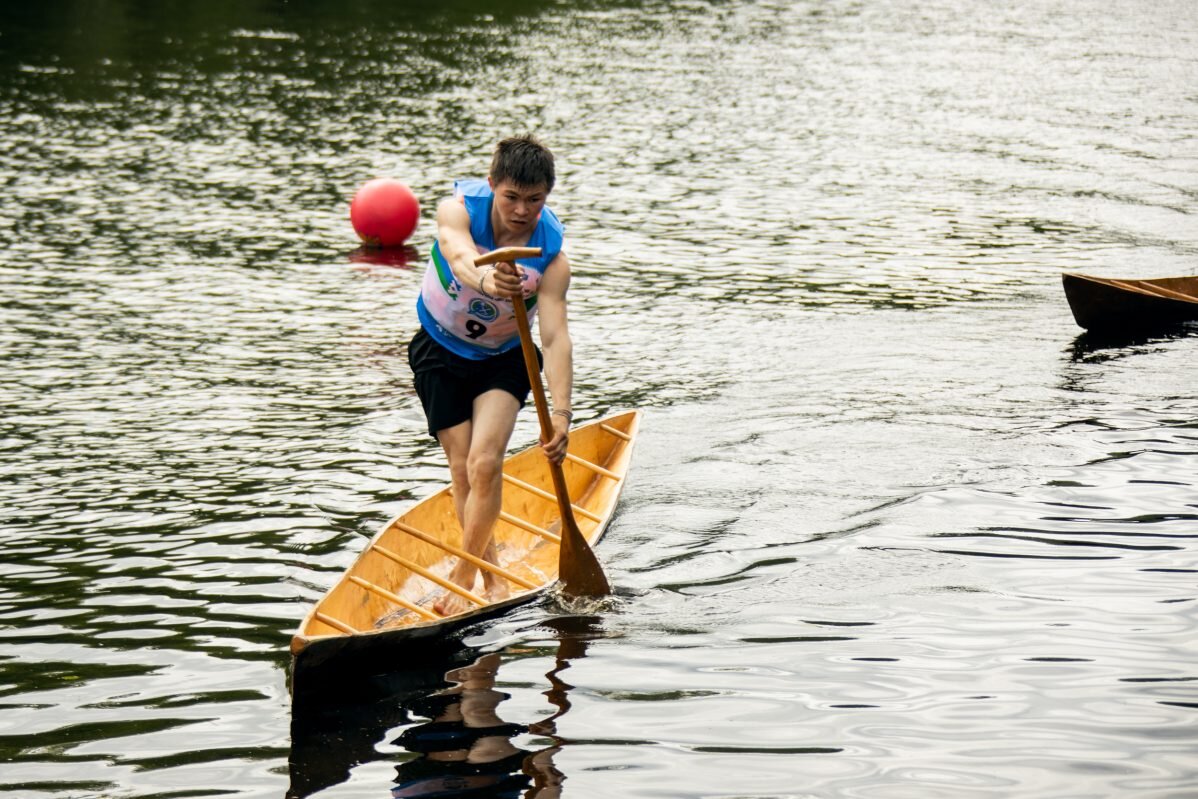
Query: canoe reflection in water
465, 750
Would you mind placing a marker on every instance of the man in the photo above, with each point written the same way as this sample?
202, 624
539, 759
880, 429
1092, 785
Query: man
469, 370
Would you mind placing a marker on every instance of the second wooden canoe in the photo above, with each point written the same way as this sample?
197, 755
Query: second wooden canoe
1111, 305
387, 594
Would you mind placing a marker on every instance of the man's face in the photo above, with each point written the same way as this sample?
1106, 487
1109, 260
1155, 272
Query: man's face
519, 207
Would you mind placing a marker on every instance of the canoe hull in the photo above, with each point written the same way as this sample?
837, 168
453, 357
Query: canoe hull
1111, 305
359, 618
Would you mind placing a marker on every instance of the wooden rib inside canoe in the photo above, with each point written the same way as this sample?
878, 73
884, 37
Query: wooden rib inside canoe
1110, 304
391, 587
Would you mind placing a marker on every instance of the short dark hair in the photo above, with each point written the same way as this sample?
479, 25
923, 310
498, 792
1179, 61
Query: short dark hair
524, 161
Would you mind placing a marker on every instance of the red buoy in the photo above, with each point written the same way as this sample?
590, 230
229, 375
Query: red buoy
384, 212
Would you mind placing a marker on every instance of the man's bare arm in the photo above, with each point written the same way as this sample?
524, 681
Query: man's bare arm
559, 348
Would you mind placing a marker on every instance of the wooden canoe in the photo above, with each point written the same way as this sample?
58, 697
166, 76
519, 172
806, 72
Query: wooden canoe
388, 592
1111, 305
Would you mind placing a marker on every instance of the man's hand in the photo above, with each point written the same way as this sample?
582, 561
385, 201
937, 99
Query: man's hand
555, 448
509, 280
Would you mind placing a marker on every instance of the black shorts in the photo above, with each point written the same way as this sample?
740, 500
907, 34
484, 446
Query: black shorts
447, 384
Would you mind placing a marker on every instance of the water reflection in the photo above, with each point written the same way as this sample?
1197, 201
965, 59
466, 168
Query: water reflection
1092, 347
206, 408
464, 749
365, 257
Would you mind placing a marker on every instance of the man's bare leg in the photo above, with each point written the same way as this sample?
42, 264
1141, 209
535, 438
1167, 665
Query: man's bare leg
455, 441
475, 451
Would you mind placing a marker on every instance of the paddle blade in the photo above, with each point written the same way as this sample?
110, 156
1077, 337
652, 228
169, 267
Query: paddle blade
578, 567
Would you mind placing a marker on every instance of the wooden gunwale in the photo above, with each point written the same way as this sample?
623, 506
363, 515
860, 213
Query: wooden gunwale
1151, 289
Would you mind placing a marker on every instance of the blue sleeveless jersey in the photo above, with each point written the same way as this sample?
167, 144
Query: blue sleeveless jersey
464, 321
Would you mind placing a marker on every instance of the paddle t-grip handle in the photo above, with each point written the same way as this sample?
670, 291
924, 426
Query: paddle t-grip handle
507, 254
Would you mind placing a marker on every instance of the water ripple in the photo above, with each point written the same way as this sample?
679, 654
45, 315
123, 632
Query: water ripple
893, 522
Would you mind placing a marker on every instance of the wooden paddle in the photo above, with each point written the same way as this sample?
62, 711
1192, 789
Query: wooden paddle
578, 569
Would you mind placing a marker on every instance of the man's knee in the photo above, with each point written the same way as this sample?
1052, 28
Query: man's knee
483, 468
459, 473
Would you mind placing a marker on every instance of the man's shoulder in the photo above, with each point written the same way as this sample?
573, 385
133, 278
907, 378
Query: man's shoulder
551, 220
471, 187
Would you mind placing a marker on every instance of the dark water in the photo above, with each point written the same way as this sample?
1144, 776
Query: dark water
895, 528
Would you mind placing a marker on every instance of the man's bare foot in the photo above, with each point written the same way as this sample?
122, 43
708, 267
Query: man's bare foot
451, 604
497, 590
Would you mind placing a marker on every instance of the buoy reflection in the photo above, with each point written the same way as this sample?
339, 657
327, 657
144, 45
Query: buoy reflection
365, 257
